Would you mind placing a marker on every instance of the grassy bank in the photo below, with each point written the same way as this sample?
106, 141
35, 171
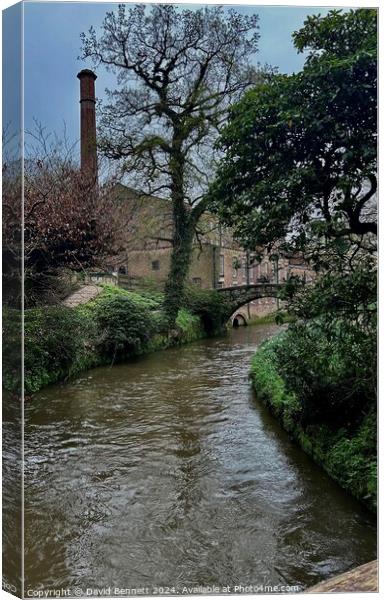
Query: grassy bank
348, 454
116, 326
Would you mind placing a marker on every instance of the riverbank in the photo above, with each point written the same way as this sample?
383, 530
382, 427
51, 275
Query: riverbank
348, 455
361, 579
115, 326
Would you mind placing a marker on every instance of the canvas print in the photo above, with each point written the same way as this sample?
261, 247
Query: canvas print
189, 299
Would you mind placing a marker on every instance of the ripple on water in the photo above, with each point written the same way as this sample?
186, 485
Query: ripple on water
167, 471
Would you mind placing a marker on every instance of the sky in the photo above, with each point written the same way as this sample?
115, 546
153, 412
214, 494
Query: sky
52, 45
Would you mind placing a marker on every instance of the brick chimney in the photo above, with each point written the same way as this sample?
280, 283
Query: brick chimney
88, 123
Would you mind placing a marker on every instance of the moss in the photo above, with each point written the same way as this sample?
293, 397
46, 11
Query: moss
348, 456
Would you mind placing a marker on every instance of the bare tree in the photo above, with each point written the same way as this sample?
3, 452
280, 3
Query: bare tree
177, 71
69, 223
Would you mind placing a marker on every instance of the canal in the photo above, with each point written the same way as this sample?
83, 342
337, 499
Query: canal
167, 471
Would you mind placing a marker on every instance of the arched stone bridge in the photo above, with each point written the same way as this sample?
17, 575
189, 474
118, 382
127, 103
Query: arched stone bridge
238, 295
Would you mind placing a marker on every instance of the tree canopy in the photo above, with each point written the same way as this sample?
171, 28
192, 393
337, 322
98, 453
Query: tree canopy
300, 150
177, 73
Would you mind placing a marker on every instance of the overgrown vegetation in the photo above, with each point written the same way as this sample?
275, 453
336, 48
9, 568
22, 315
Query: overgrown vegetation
329, 354
115, 326
209, 306
347, 453
319, 376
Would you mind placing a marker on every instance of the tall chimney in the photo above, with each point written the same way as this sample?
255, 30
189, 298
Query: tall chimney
88, 123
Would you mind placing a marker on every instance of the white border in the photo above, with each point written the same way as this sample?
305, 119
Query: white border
298, 3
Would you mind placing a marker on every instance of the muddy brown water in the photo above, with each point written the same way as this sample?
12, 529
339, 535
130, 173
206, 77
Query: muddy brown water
168, 472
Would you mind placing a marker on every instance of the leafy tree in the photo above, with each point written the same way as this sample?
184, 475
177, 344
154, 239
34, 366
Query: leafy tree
177, 73
300, 171
300, 150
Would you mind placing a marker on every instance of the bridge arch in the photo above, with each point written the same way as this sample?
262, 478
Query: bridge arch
238, 319
237, 296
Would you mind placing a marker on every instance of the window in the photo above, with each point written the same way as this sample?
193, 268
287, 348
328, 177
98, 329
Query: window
221, 265
197, 281
155, 265
244, 264
235, 267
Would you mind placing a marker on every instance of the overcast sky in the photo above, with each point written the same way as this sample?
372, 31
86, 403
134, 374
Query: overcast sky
52, 46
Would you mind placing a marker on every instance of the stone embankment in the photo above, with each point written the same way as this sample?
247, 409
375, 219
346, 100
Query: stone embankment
361, 579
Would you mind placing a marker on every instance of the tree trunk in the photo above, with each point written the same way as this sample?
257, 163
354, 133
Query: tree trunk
180, 261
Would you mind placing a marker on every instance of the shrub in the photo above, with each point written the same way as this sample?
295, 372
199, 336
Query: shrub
209, 306
270, 386
12, 323
126, 325
190, 325
60, 341
55, 339
330, 366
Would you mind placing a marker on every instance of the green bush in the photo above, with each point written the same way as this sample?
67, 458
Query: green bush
125, 326
56, 340
12, 350
190, 325
331, 367
328, 356
61, 342
209, 306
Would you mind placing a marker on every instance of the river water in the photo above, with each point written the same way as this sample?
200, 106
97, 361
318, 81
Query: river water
168, 472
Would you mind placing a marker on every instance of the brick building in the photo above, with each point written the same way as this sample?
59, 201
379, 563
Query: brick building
217, 260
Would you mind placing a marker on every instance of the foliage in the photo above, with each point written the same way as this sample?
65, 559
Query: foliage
331, 367
209, 306
69, 221
188, 324
12, 349
319, 377
125, 326
57, 343
177, 73
279, 317
61, 342
353, 461
270, 386
148, 300
300, 150
347, 454
329, 354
